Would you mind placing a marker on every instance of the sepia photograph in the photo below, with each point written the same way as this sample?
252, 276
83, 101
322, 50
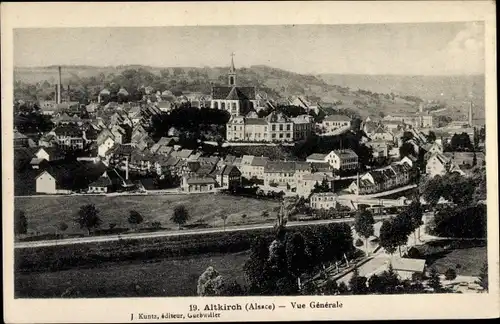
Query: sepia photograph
254, 160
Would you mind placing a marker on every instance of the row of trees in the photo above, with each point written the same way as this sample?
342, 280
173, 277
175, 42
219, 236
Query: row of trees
394, 232
89, 218
455, 188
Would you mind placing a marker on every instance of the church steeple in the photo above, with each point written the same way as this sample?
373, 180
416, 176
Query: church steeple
232, 72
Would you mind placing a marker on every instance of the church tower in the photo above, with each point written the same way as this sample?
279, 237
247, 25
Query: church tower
232, 73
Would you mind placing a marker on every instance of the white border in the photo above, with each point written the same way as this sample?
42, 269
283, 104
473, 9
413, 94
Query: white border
16, 15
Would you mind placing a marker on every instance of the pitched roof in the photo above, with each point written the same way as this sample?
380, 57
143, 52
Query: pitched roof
67, 130
275, 117
260, 161
255, 121
101, 182
201, 180
183, 154
406, 264
239, 93
19, 135
337, 118
317, 156
280, 166
345, 154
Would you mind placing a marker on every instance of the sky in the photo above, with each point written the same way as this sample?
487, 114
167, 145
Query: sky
403, 49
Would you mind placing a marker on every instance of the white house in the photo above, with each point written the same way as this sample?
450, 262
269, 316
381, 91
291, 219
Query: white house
332, 123
104, 146
50, 184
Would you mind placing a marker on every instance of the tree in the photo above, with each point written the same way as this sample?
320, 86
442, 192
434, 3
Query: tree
431, 137
387, 240
20, 222
450, 274
180, 215
210, 283
434, 280
357, 283
363, 224
416, 213
407, 149
62, 226
407, 136
432, 191
483, 277
297, 258
474, 160
135, 218
224, 219
88, 217
232, 289
461, 142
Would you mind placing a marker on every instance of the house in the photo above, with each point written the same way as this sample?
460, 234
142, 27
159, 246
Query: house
36, 163
182, 154
379, 148
317, 157
20, 140
323, 200
195, 184
306, 184
432, 149
302, 126
437, 164
228, 177
68, 136
396, 175
280, 174
343, 160
51, 183
257, 166
47, 140
332, 123
405, 268
162, 143
110, 180
246, 165
104, 143
381, 134
49, 154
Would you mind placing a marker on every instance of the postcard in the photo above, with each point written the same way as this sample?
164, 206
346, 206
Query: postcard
236, 161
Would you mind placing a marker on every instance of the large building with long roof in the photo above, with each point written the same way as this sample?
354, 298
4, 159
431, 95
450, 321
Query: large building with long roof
232, 98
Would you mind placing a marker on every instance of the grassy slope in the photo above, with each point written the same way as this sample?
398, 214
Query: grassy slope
44, 213
470, 259
174, 277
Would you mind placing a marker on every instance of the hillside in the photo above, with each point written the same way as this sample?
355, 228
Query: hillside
277, 84
452, 90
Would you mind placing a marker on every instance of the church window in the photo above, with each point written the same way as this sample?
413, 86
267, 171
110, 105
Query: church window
234, 105
216, 105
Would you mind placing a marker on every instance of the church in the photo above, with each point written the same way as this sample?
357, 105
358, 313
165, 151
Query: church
236, 100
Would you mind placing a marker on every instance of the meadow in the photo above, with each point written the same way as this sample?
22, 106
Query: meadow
146, 278
45, 213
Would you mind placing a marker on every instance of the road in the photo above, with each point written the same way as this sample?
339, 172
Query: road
110, 238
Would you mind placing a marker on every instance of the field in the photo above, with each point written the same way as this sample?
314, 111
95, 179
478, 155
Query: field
45, 213
149, 278
470, 259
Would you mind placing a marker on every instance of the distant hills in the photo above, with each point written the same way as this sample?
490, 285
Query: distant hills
366, 94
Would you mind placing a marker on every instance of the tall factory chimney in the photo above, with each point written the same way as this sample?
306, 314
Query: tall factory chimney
59, 87
69, 96
126, 168
55, 93
470, 114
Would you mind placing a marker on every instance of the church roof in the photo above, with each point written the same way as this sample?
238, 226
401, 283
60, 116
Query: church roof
233, 93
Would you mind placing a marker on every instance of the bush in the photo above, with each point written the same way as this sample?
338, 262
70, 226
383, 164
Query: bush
358, 243
265, 214
244, 216
156, 225
414, 253
450, 274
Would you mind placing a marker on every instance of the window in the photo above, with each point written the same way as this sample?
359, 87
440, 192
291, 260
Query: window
216, 105
288, 127
223, 105
281, 135
273, 135
281, 127
274, 127
288, 135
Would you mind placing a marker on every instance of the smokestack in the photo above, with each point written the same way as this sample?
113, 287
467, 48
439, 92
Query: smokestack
470, 114
55, 94
126, 168
69, 96
59, 86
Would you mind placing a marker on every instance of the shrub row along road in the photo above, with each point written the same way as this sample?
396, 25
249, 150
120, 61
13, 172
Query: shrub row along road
134, 236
